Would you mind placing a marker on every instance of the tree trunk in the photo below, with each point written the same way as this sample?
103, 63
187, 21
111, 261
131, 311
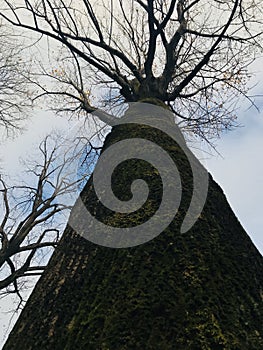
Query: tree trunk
201, 289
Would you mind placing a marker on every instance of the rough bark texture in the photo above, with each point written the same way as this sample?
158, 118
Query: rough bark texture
198, 290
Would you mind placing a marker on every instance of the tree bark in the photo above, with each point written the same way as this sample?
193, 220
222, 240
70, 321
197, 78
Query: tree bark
199, 290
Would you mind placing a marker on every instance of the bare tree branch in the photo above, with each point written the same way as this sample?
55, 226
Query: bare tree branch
30, 222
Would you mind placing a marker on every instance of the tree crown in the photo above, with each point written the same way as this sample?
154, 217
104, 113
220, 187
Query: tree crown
191, 55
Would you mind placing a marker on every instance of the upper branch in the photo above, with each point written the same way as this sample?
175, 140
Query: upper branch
152, 40
172, 96
70, 40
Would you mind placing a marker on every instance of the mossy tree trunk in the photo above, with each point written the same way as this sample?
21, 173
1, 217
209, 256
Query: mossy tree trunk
198, 290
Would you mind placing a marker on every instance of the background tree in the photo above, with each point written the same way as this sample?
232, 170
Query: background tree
34, 211
15, 92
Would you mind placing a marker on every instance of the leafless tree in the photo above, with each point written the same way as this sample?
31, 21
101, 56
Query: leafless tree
33, 214
192, 55
15, 94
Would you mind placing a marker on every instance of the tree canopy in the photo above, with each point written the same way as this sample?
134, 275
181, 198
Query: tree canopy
191, 55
